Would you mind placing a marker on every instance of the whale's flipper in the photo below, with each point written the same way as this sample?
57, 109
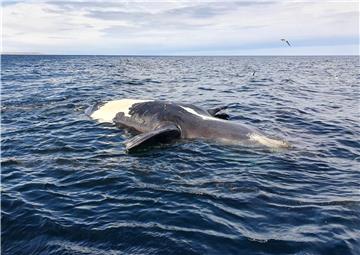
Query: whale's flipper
161, 135
223, 116
215, 112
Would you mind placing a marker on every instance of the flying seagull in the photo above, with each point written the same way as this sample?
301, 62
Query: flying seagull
284, 40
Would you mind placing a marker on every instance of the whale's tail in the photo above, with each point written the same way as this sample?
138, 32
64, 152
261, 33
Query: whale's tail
269, 142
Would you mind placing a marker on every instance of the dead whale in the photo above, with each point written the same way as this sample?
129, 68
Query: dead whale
162, 121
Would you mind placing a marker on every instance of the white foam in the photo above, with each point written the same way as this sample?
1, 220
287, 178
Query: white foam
273, 143
204, 117
108, 111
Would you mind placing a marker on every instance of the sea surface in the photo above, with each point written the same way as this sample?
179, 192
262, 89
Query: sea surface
68, 187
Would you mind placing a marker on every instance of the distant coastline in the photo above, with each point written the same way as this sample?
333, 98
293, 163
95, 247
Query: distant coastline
21, 53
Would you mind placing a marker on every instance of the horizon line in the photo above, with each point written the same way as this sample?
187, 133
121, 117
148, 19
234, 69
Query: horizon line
165, 55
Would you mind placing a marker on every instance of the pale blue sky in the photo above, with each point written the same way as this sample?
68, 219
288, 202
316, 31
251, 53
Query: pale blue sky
181, 27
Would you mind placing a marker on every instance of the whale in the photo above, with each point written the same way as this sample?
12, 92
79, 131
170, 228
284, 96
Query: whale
155, 122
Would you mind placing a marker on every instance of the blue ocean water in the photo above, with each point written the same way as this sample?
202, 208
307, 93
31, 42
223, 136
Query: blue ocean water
68, 187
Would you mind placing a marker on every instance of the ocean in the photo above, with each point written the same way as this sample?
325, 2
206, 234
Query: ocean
69, 187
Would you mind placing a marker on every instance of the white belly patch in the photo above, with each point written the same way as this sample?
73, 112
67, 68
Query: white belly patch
108, 111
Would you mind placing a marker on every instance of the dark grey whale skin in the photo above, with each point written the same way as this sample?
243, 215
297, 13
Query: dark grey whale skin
151, 115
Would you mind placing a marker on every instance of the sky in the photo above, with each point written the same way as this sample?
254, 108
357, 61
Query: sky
181, 27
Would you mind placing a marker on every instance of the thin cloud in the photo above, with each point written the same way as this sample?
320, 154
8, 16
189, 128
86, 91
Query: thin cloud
210, 10
84, 5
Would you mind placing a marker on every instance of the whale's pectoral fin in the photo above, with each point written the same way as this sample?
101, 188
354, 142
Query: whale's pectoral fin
223, 116
215, 112
161, 135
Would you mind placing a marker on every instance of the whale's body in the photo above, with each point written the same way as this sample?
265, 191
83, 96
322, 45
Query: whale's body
163, 121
